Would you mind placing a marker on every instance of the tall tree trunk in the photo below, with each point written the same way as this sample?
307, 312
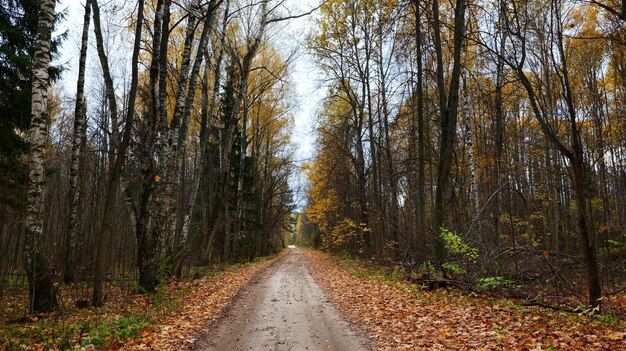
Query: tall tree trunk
41, 290
217, 74
147, 241
181, 247
192, 85
167, 216
202, 161
240, 178
581, 178
178, 141
376, 236
363, 225
584, 230
115, 173
242, 89
575, 156
448, 106
391, 171
184, 113
467, 116
109, 88
200, 165
77, 159
411, 169
499, 119
421, 147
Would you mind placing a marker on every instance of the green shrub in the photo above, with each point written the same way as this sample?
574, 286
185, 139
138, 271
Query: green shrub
453, 268
488, 283
456, 246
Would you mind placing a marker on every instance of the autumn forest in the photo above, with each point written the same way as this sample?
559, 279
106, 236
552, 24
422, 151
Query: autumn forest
152, 159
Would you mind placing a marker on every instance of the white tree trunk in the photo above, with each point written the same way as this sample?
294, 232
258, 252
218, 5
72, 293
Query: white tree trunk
42, 292
467, 114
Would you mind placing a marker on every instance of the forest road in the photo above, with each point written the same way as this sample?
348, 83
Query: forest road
283, 308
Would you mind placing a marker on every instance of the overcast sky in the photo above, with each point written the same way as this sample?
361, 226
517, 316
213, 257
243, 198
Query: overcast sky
304, 75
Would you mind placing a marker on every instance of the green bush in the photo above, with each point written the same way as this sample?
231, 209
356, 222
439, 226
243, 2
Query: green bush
453, 268
488, 283
456, 246
460, 251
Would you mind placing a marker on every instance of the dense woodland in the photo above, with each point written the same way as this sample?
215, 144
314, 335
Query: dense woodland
176, 154
475, 143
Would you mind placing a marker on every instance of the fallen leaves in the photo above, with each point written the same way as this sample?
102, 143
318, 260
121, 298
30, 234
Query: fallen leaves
170, 320
400, 317
204, 305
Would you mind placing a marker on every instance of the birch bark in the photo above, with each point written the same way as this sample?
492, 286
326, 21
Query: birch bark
42, 293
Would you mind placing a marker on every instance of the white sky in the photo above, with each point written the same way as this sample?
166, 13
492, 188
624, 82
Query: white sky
304, 76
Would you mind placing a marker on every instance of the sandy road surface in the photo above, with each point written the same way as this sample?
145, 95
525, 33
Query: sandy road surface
283, 308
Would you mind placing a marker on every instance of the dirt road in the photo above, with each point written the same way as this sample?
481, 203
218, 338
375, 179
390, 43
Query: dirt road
283, 308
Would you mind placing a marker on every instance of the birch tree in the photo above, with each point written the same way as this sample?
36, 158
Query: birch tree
41, 290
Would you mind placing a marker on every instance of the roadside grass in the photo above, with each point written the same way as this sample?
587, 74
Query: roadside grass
126, 315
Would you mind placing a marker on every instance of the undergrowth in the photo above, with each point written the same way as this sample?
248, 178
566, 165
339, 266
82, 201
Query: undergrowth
125, 316
396, 276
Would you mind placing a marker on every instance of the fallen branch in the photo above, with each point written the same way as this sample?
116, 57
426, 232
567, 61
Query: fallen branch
434, 284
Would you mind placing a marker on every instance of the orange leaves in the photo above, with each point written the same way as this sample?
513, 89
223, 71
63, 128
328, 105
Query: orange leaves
400, 318
130, 321
204, 304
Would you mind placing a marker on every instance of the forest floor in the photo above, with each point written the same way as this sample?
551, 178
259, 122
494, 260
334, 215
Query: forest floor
399, 315
171, 319
304, 299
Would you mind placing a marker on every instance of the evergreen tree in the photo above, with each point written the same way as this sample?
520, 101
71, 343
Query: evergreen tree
18, 29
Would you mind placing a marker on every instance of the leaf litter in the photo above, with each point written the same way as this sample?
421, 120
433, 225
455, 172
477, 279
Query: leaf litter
400, 316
